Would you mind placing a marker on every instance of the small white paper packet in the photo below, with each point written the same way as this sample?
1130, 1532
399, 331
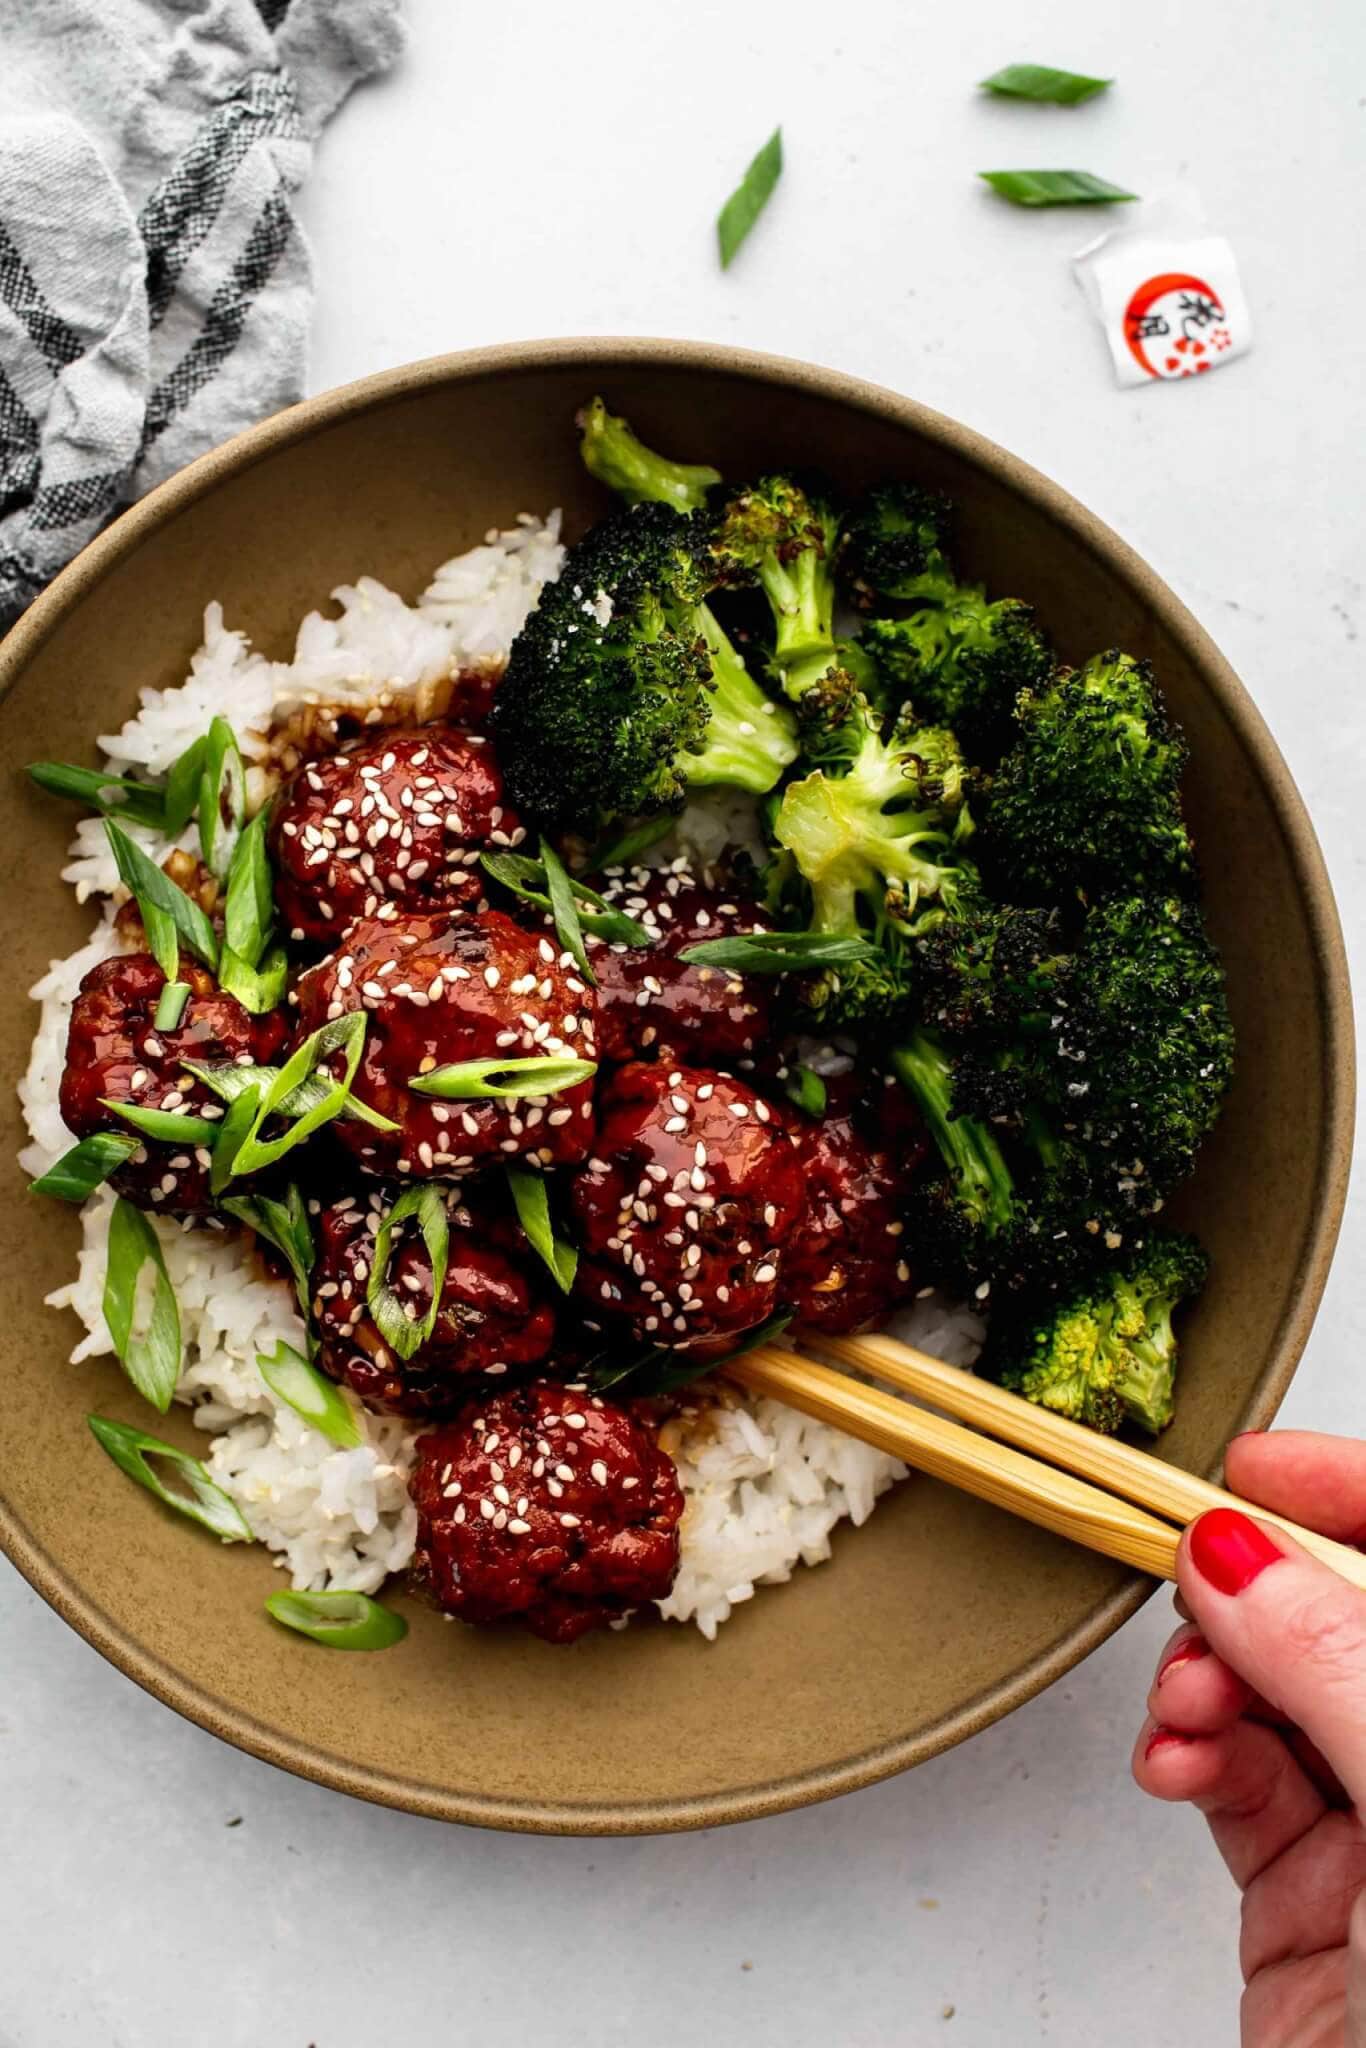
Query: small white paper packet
1166, 292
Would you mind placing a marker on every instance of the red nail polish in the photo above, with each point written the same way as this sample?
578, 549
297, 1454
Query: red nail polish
1184, 1653
1163, 1738
1229, 1550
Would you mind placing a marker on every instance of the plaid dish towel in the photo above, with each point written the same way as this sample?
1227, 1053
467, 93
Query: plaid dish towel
154, 284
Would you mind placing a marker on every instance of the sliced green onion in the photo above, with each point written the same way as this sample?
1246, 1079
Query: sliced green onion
478, 1080
344, 1621
258, 989
749, 198
248, 906
286, 1226
303, 1388
1042, 82
152, 885
778, 952
237, 1126
171, 1006
85, 1167
659, 1371
206, 1503
228, 1080
117, 796
564, 911
1055, 188
163, 940
807, 1090
164, 1124
533, 1213
621, 852
222, 798
182, 787
400, 1331
150, 1357
528, 879
342, 1034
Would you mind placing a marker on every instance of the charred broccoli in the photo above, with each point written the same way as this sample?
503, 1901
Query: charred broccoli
891, 545
622, 691
964, 661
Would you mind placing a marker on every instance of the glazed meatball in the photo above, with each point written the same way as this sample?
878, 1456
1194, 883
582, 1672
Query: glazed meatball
846, 1264
549, 1505
683, 1211
438, 991
491, 1322
400, 818
652, 1004
114, 1051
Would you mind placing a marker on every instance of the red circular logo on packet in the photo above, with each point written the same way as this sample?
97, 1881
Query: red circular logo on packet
1175, 325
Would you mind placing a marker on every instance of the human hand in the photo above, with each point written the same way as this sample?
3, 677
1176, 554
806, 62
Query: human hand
1257, 1716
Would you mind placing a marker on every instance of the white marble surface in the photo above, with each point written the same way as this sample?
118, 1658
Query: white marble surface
536, 169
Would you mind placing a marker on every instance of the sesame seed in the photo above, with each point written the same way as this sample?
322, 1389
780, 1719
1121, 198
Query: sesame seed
569, 1521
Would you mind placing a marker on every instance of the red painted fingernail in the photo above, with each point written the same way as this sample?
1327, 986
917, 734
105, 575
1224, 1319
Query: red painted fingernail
1163, 1738
1184, 1653
1229, 1550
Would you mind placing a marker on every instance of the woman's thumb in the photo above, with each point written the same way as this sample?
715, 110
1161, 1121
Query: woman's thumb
1288, 1625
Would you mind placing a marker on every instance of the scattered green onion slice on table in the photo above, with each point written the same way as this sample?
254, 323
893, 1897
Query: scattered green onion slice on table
303, 1388
182, 787
206, 1503
151, 1356
1042, 82
222, 798
806, 1088
153, 886
343, 1621
500, 1080
533, 1213
117, 796
171, 1006
749, 198
1055, 188
85, 1167
778, 952
401, 1332
165, 1125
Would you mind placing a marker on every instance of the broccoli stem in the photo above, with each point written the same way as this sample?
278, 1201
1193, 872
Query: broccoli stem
749, 739
801, 594
967, 1147
619, 459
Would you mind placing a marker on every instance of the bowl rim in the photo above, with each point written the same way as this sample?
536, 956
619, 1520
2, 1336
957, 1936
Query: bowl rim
600, 353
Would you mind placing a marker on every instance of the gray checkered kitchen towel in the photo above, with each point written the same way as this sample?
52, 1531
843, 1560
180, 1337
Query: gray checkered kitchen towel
154, 284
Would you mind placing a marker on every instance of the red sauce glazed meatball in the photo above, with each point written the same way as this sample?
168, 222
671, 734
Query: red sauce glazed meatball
400, 818
650, 1003
549, 1505
684, 1208
114, 1050
490, 1323
438, 991
846, 1266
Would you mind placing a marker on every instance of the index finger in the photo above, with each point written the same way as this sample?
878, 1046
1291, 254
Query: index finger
1311, 1478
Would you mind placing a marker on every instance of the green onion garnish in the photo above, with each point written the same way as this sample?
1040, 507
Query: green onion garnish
533, 1213
342, 1034
117, 796
150, 1357
164, 1124
182, 787
1055, 188
1042, 82
749, 198
620, 853
286, 1226
401, 1331
248, 906
228, 1080
303, 1388
503, 1080
154, 888
222, 798
564, 911
171, 1006
657, 1371
206, 1503
257, 989
85, 1167
778, 952
807, 1090
344, 1621
237, 1126
528, 879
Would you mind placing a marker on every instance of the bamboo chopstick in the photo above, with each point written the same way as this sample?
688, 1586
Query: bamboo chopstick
1056, 1495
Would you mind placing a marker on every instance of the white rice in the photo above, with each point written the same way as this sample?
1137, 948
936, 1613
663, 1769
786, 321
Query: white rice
765, 1486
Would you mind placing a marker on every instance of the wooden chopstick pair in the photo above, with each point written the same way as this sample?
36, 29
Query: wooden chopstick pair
1093, 1489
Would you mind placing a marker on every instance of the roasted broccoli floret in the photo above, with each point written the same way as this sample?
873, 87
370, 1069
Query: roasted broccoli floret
622, 691
892, 545
1088, 798
989, 970
616, 457
964, 661
1106, 1354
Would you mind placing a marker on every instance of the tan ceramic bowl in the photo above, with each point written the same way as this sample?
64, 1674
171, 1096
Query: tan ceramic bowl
942, 1614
